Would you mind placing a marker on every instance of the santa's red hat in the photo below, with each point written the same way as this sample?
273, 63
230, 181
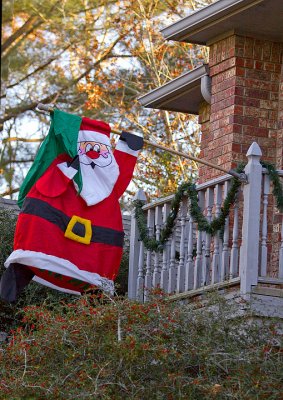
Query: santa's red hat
94, 131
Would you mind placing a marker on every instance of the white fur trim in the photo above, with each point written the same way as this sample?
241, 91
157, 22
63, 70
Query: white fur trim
60, 265
122, 146
93, 136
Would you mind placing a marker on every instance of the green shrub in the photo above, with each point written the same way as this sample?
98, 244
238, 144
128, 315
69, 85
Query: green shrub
123, 350
121, 282
36, 294
7, 229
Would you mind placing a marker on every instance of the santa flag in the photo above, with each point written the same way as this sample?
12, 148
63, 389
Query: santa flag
69, 234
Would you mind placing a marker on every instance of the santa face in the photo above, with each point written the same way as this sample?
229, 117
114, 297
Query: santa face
94, 154
99, 170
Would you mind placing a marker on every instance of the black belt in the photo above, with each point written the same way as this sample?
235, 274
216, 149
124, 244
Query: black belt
75, 228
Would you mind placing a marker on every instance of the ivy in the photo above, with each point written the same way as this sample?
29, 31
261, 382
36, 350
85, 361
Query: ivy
188, 189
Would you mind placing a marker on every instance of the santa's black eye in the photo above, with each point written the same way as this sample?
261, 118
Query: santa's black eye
96, 147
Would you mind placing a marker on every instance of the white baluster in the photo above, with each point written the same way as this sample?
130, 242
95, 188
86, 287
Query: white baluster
189, 275
156, 271
216, 258
165, 256
207, 241
220, 237
181, 269
140, 280
134, 250
224, 275
187, 228
198, 261
263, 255
234, 261
172, 269
148, 274
220, 253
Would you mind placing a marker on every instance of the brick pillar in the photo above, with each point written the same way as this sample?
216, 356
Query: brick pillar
245, 76
276, 216
279, 146
204, 117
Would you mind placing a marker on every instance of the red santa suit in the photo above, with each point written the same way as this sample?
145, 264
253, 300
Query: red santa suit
73, 240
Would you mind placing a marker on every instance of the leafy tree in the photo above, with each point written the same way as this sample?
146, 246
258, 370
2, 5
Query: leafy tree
153, 62
94, 57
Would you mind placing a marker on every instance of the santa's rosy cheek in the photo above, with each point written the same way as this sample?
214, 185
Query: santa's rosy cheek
104, 153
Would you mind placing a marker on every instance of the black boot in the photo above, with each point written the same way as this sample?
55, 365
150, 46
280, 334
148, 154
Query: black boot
14, 280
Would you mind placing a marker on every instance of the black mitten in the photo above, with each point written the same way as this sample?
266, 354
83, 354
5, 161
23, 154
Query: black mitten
134, 142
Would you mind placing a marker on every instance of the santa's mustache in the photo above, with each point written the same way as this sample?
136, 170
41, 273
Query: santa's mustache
92, 157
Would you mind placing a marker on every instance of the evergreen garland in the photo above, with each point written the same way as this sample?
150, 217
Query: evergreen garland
277, 186
188, 189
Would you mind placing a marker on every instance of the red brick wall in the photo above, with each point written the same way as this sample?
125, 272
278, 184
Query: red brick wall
279, 146
245, 76
275, 215
204, 118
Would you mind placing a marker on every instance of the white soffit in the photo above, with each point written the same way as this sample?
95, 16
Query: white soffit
257, 18
182, 94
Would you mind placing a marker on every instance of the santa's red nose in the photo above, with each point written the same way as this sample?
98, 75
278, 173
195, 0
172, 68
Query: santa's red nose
92, 154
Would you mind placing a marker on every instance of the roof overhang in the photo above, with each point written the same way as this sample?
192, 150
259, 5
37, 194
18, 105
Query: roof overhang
257, 18
182, 94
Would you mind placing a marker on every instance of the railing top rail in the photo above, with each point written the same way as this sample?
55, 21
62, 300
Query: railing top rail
279, 171
202, 186
214, 182
158, 202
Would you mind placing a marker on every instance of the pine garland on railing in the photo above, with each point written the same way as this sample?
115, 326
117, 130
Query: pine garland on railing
188, 189
277, 186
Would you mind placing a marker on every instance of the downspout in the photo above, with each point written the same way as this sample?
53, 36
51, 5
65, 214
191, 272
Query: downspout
205, 88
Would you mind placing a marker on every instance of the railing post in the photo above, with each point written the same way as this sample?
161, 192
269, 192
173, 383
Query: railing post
134, 250
249, 251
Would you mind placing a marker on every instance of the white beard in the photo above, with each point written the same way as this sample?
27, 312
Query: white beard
98, 182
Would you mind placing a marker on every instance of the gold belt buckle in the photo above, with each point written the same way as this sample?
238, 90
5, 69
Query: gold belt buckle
73, 236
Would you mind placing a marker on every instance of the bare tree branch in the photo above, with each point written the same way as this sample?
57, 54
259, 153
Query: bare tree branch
3, 164
19, 139
21, 39
40, 68
27, 28
9, 192
21, 31
14, 112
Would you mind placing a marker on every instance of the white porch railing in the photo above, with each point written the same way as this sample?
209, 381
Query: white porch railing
192, 259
